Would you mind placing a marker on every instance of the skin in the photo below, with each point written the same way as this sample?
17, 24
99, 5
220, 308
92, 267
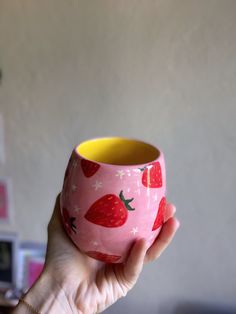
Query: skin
72, 282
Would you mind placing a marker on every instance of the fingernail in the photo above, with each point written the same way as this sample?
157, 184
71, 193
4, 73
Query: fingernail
170, 205
177, 224
174, 209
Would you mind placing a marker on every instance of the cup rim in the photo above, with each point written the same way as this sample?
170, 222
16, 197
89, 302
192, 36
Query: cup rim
160, 154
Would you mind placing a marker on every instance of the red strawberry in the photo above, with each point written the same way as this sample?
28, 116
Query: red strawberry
68, 221
160, 214
152, 177
89, 167
103, 257
109, 210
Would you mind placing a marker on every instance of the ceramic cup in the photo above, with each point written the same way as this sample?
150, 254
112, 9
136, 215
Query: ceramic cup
113, 193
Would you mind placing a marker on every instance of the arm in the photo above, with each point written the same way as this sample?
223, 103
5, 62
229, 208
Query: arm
46, 296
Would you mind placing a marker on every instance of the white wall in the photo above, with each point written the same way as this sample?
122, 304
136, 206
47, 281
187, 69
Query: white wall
164, 71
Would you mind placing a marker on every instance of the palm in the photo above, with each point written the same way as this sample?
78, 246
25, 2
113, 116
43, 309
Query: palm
91, 284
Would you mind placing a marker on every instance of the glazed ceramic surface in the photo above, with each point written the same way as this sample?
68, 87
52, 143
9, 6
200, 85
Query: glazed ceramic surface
113, 193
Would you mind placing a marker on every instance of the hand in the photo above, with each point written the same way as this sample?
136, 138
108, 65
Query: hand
90, 286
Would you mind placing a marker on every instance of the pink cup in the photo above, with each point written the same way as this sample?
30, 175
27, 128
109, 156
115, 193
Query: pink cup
113, 193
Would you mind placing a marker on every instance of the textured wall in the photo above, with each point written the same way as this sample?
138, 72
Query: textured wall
164, 71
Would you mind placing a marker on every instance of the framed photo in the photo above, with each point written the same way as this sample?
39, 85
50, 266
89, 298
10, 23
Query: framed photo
2, 142
5, 200
8, 260
33, 269
30, 261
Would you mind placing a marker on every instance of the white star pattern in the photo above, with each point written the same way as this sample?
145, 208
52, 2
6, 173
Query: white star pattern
97, 185
73, 187
128, 173
75, 164
134, 230
77, 209
120, 173
95, 243
137, 191
155, 197
128, 190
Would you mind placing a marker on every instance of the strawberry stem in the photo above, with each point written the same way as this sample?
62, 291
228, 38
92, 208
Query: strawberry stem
142, 169
126, 202
72, 225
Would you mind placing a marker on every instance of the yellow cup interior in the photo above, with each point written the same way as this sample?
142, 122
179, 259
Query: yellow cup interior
117, 151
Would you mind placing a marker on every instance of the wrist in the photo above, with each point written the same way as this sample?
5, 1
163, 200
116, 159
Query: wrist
46, 296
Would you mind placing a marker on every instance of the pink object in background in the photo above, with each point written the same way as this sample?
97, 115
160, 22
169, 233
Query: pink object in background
4, 200
35, 268
107, 205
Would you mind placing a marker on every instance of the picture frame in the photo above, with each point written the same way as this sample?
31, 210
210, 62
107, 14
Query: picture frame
6, 201
28, 251
9, 246
34, 267
2, 137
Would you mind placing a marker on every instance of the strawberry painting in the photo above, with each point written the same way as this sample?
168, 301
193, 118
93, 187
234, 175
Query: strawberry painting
160, 215
152, 177
89, 167
68, 221
103, 257
110, 210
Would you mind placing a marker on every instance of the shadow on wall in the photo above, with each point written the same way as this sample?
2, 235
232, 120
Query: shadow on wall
196, 308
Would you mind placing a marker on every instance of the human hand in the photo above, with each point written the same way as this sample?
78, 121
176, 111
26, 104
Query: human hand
85, 285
